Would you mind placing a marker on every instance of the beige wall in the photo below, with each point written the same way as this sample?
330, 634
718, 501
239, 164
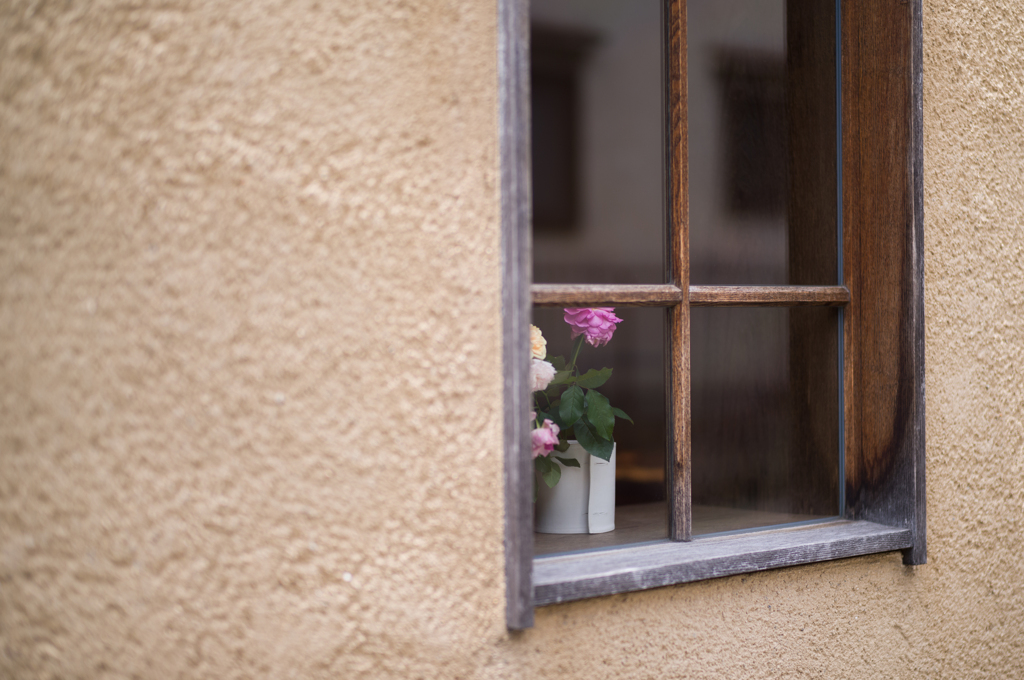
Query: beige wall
249, 360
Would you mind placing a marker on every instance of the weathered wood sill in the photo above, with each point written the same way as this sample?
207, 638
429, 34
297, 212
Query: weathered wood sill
574, 576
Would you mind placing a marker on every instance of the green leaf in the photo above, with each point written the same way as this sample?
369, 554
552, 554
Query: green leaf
557, 362
588, 439
568, 462
561, 378
599, 413
563, 445
552, 415
621, 414
571, 408
548, 469
594, 378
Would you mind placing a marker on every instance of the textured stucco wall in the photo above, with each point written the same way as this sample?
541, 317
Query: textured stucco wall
249, 360
249, 338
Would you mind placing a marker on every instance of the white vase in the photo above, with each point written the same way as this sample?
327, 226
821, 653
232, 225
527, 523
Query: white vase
583, 501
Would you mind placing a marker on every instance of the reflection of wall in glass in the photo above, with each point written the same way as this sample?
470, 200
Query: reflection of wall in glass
765, 409
602, 129
558, 56
762, 144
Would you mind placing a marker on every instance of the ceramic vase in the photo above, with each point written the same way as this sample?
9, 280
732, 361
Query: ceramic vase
583, 501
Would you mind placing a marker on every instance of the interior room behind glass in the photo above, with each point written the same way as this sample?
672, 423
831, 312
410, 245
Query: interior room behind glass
762, 210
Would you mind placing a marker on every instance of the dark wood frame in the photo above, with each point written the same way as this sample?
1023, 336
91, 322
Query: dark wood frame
883, 330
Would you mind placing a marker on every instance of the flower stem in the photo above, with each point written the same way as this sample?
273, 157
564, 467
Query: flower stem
576, 353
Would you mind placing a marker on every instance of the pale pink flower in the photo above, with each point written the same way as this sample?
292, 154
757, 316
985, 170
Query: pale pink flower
541, 375
596, 323
544, 438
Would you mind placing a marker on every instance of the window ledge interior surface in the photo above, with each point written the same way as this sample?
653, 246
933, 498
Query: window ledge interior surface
574, 576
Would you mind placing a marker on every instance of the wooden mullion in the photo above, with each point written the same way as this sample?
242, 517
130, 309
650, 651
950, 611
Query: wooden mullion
769, 296
678, 385
670, 295
558, 295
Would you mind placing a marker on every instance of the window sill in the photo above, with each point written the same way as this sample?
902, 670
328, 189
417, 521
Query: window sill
568, 577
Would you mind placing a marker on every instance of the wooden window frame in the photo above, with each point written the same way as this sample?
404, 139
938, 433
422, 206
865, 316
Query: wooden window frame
883, 325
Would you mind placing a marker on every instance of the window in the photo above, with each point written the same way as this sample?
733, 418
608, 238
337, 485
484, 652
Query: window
879, 292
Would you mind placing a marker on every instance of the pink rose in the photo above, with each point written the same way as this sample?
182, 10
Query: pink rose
596, 323
544, 438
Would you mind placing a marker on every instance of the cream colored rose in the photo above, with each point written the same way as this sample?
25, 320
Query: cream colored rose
538, 345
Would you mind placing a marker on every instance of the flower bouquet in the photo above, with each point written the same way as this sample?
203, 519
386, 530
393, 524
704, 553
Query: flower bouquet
566, 400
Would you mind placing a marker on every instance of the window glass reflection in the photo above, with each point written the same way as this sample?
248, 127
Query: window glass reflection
596, 91
765, 416
762, 142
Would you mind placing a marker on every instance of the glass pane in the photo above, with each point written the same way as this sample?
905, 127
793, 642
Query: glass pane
596, 92
762, 150
765, 416
637, 386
